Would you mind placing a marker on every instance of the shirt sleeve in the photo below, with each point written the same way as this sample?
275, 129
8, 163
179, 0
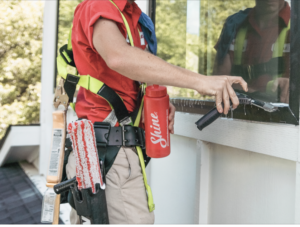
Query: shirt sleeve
91, 11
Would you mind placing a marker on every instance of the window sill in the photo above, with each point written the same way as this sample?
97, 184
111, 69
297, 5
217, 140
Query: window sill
278, 140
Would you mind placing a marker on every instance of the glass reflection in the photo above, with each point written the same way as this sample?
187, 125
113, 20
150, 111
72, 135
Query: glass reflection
258, 50
244, 38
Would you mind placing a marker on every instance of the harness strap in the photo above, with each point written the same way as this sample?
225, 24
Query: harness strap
278, 49
151, 204
66, 59
239, 44
241, 37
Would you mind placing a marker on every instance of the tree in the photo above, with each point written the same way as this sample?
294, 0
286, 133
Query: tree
21, 25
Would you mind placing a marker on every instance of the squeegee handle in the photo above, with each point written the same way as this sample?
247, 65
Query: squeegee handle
208, 118
64, 186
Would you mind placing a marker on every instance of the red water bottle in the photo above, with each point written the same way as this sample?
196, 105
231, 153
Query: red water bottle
156, 107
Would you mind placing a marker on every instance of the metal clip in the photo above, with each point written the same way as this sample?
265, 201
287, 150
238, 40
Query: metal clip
249, 68
61, 96
123, 132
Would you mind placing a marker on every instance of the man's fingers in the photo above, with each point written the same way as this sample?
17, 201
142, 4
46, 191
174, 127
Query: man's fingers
226, 101
238, 80
172, 110
234, 99
219, 100
171, 126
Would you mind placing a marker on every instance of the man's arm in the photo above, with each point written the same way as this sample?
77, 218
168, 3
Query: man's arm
139, 65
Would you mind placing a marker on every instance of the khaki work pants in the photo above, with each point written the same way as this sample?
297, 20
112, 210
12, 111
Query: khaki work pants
125, 190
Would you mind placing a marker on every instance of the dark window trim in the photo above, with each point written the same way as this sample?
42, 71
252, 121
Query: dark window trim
288, 115
295, 58
152, 10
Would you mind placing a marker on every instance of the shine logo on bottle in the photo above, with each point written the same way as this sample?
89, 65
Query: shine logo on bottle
156, 136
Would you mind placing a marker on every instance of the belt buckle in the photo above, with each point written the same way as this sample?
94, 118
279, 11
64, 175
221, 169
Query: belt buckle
141, 135
102, 130
123, 133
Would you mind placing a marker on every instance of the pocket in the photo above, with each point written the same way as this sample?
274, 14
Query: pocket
120, 171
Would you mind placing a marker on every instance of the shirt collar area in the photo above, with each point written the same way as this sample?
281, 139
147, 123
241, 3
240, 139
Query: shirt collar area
136, 13
284, 14
121, 4
132, 9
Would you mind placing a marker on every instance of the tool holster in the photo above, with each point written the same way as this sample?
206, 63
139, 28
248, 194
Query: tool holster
108, 141
91, 206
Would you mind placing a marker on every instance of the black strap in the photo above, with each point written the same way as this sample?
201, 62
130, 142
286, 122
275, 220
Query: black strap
273, 67
64, 50
70, 86
117, 103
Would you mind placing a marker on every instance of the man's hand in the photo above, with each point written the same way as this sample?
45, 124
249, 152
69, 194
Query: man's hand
172, 110
221, 88
284, 85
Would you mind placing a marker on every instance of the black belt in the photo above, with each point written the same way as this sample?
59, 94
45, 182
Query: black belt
128, 136
275, 66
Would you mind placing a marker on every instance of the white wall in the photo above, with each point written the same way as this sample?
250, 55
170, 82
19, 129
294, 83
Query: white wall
174, 183
211, 183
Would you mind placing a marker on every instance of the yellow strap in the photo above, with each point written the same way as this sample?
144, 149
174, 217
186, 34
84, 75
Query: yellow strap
239, 44
70, 39
280, 42
151, 204
126, 25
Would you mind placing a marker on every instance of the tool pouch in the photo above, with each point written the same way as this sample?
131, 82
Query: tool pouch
91, 206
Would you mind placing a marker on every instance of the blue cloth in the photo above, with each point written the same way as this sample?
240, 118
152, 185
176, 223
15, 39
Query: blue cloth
229, 31
149, 32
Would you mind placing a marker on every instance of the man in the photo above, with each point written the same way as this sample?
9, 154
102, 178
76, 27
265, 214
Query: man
101, 51
263, 56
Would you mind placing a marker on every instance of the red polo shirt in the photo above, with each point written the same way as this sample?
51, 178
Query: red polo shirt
258, 45
89, 62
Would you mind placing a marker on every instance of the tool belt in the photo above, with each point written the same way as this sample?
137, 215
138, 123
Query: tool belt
273, 67
127, 135
109, 140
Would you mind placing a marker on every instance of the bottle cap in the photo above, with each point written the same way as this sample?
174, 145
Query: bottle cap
156, 91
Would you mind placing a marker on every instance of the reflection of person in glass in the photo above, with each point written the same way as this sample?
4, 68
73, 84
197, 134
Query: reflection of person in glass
258, 50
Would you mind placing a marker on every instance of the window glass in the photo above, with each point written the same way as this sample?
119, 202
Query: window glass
247, 38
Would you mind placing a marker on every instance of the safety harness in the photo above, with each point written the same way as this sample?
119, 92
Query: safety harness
109, 139
274, 67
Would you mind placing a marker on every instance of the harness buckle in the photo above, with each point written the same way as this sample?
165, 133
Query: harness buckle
249, 69
133, 136
102, 131
61, 96
123, 134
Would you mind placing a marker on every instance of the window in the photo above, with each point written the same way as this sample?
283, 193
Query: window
247, 38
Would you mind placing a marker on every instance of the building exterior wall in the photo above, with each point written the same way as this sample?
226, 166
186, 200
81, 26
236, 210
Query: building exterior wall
233, 172
210, 183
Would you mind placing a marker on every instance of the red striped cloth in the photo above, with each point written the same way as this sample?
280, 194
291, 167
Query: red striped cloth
84, 147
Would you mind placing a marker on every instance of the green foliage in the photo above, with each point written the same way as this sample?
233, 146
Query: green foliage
191, 51
21, 29
21, 48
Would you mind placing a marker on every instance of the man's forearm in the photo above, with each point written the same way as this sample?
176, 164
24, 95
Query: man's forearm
139, 65
142, 66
